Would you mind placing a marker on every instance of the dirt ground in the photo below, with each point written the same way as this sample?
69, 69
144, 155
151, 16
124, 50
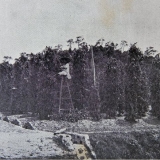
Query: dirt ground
110, 138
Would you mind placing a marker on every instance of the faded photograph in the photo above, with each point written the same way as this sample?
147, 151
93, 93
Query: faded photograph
79, 79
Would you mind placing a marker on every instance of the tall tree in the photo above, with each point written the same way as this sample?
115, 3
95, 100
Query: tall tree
123, 45
70, 42
136, 87
79, 40
155, 88
150, 51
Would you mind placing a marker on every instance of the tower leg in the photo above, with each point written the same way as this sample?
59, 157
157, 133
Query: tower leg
70, 96
60, 98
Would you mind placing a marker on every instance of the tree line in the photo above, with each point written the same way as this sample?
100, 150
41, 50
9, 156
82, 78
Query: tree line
107, 82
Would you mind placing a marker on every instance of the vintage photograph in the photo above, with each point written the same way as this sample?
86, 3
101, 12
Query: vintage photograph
79, 79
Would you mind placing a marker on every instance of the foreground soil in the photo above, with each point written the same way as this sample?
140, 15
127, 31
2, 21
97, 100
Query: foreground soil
16, 142
111, 138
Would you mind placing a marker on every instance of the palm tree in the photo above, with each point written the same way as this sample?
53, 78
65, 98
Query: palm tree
100, 42
123, 45
79, 40
111, 44
7, 58
150, 51
70, 42
58, 47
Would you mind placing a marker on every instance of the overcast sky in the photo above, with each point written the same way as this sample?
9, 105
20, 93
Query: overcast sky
30, 25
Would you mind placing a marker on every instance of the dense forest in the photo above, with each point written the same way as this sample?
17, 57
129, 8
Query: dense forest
107, 81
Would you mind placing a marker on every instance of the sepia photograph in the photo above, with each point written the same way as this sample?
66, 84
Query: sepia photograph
79, 79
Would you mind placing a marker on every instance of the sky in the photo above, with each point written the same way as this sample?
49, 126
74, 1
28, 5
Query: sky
31, 25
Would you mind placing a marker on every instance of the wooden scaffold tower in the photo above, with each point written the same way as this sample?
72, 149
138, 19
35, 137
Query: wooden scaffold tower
64, 87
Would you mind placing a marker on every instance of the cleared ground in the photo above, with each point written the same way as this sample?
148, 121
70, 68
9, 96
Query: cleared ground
16, 142
110, 138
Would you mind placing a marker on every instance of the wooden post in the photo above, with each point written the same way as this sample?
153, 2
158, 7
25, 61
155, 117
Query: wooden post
94, 79
60, 98
70, 97
93, 66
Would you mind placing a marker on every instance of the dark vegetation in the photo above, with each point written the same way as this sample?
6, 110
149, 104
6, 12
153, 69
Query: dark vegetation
106, 81
132, 145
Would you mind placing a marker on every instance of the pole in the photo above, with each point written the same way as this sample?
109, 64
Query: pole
94, 78
60, 98
93, 66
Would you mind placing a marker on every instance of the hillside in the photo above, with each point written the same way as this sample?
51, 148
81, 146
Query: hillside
103, 82
112, 96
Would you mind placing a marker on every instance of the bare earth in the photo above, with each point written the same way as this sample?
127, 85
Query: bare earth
111, 134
